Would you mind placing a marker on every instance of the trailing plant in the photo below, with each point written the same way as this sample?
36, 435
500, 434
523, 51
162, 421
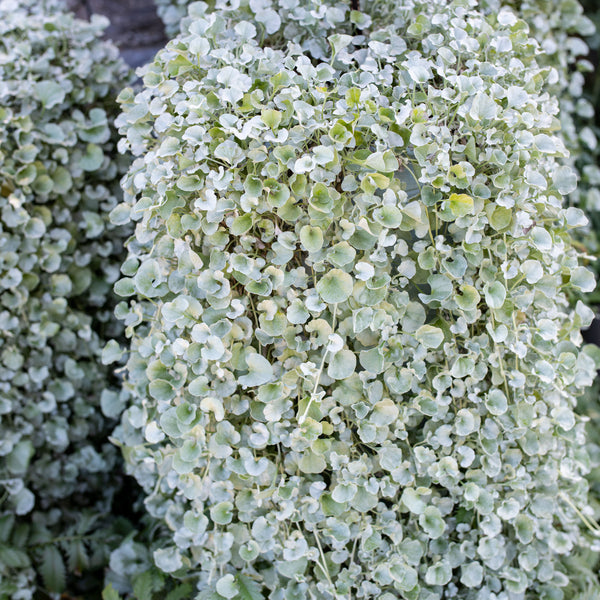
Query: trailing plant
353, 364
59, 174
565, 33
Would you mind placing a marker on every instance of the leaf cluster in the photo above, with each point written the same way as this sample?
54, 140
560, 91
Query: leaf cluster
353, 362
59, 257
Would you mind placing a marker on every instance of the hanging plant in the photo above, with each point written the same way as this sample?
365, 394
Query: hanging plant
353, 365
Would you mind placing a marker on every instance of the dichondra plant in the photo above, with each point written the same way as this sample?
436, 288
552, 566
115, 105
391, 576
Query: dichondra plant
59, 256
560, 27
307, 22
353, 363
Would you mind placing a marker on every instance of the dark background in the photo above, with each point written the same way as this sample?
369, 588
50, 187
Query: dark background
134, 26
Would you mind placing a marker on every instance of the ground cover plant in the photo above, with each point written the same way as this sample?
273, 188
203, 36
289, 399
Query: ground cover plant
59, 257
353, 361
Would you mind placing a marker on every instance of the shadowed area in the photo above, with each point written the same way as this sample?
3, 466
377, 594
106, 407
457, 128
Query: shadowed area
134, 26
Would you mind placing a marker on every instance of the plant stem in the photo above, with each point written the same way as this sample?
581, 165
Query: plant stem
318, 377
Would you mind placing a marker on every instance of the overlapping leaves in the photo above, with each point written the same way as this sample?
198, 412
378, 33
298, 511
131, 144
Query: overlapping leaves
353, 362
59, 258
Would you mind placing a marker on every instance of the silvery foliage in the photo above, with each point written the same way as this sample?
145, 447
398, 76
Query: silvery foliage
353, 362
306, 22
561, 28
59, 258
563, 31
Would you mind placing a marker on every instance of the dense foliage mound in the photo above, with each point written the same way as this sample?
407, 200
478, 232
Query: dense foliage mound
560, 27
353, 361
59, 257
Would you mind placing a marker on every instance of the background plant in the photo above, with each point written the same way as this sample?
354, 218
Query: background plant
353, 362
59, 257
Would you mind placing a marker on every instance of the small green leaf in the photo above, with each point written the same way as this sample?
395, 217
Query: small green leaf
388, 216
19, 457
438, 574
341, 254
311, 238
7, 522
49, 93
109, 593
335, 286
93, 158
384, 162
471, 574
253, 186
339, 41
143, 586
161, 390
112, 352
125, 287
227, 587
62, 180
495, 294
461, 204
312, 463
342, 365
372, 360
190, 183
241, 224
13, 557
429, 336
469, 297
78, 556
353, 97
583, 279
249, 589
432, 522
260, 371
271, 118
52, 569
222, 513
168, 559
321, 199
385, 412
496, 402
524, 528
277, 193
406, 577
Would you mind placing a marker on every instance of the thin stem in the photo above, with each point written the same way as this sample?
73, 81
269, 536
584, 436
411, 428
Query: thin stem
324, 562
589, 522
318, 377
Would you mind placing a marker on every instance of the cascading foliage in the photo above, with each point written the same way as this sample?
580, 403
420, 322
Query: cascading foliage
563, 31
59, 257
353, 361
